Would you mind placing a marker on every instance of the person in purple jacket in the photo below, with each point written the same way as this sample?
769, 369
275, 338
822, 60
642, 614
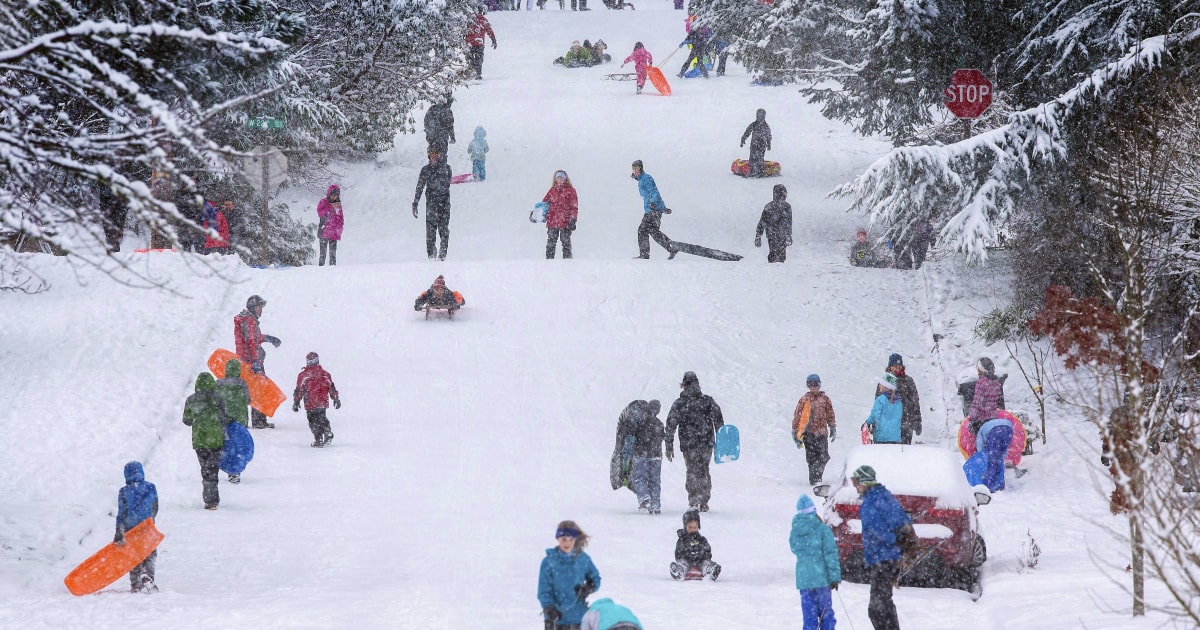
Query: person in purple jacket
987, 395
329, 229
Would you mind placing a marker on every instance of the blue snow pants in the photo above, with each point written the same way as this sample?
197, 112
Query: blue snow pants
996, 444
817, 606
478, 170
647, 481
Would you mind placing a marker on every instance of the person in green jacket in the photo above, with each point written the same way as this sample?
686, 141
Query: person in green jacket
817, 569
234, 392
205, 412
578, 56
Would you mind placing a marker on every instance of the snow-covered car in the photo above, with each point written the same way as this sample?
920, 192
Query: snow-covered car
930, 485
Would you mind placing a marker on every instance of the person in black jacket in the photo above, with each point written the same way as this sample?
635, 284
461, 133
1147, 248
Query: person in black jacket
699, 41
776, 221
759, 133
910, 254
439, 126
434, 181
697, 417
692, 549
906, 389
640, 422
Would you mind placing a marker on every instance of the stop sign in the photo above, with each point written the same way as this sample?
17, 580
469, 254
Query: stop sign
969, 94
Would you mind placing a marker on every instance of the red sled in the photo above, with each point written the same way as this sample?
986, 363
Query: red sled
462, 179
742, 168
693, 573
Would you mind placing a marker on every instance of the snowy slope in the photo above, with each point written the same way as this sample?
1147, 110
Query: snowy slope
461, 444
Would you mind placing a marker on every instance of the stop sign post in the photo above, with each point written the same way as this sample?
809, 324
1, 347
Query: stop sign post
969, 94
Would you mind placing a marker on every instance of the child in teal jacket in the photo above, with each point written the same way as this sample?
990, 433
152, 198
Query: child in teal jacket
477, 151
817, 567
566, 579
886, 413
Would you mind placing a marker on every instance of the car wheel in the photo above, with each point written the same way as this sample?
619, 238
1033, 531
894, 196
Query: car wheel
973, 584
978, 553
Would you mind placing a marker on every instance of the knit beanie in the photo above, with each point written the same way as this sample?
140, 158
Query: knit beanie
986, 366
895, 359
888, 381
691, 515
805, 505
864, 475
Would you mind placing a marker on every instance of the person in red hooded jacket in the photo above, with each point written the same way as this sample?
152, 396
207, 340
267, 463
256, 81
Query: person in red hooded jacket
477, 34
247, 342
315, 387
564, 210
216, 229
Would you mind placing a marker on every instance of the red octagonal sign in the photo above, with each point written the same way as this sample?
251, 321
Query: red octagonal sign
969, 94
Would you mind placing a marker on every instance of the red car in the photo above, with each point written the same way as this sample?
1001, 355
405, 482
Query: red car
930, 485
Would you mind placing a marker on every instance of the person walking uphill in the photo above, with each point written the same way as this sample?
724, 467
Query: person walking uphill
205, 412
985, 404
564, 210
887, 413
776, 221
477, 34
652, 210
434, 181
641, 59
439, 126
477, 150
814, 411
329, 227
566, 578
234, 392
818, 570
759, 133
247, 340
697, 417
136, 502
906, 389
887, 533
315, 387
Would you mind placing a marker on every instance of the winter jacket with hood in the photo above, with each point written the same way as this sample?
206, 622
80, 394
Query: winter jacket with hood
816, 552
983, 405
820, 415
697, 417
215, 220
882, 516
479, 30
331, 217
604, 614
439, 122
564, 206
641, 58
235, 393
885, 418
478, 148
692, 548
204, 411
247, 337
559, 575
649, 192
137, 501
776, 219
640, 420
759, 133
906, 389
434, 181
315, 387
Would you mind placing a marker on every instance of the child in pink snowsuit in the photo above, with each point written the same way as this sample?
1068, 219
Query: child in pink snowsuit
640, 58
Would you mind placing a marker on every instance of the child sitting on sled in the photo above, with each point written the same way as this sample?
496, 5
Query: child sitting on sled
692, 551
438, 296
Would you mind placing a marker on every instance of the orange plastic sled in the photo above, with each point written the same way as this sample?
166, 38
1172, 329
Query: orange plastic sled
658, 80
265, 395
110, 563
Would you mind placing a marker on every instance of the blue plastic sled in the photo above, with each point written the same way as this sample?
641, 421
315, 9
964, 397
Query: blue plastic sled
729, 445
238, 449
975, 467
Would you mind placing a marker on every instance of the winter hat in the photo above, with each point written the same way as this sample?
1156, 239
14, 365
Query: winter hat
575, 44
333, 188
311, 359
864, 475
637, 164
861, 230
689, 378
895, 359
812, 378
888, 381
691, 515
654, 407
439, 282
210, 210
805, 505
986, 366
255, 300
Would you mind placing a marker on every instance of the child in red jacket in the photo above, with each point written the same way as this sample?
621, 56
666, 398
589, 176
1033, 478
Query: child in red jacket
315, 386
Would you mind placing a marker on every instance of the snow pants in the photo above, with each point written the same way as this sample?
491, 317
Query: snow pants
758, 157
318, 423
882, 610
144, 567
553, 236
816, 453
330, 246
649, 228
776, 251
698, 482
437, 223
475, 59
647, 482
817, 606
210, 465
996, 442
697, 54
478, 170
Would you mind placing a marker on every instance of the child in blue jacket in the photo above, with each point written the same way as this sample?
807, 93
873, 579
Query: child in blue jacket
566, 579
136, 502
818, 571
477, 151
886, 413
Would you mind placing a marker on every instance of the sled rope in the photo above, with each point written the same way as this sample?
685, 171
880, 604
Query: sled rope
845, 609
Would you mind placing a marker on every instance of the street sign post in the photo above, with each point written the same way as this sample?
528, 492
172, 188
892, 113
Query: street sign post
266, 166
969, 94
265, 123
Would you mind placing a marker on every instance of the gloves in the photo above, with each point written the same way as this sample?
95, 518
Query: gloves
743, 143
571, 225
799, 442
416, 308
414, 210
666, 211
670, 454
758, 241
274, 341
622, 65
653, 206
551, 613
832, 433
256, 367
583, 590
789, 244
834, 585
493, 44
337, 403
119, 539
296, 406
1105, 461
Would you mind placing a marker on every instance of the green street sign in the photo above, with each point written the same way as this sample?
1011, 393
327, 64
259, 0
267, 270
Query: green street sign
265, 123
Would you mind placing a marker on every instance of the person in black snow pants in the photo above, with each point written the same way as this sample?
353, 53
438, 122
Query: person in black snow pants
759, 133
653, 208
439, 126
697, 417
699, 47
434, 181
776, 221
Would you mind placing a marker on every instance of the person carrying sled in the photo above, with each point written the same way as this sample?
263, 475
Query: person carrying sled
776, 221
434, 182
697, 417
566, 578
818, 570
692, 550
759, 133
987, 395
247, 340
205, 412
698, 38
477, 150
886, 413
439, 126
315, 387
604, 614
477, 34
639, 423
234, 392
652, 210
887, 534
438, 296
906, 389
329, 226
641, 59
136, 502
564, 211
814, 411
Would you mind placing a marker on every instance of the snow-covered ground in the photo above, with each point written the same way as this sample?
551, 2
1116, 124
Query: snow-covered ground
461, 444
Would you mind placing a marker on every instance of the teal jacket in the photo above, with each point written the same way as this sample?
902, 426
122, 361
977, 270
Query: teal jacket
604, 614
649, 192
205, 413
885, 419
816, 552
478, 148
559, 575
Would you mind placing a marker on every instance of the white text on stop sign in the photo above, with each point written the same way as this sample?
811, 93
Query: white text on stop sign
967, 93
